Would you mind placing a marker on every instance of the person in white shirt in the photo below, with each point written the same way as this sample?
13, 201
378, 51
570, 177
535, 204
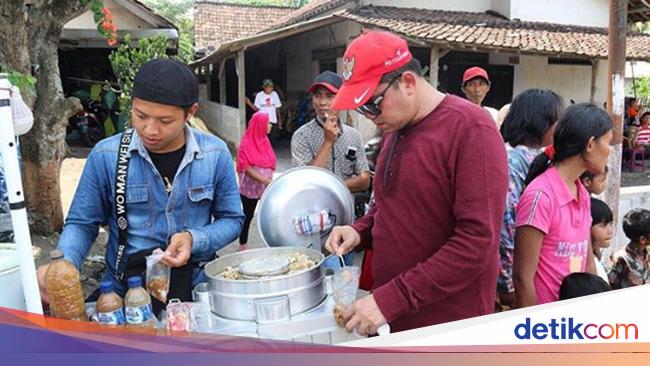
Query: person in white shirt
476, 85
268, 101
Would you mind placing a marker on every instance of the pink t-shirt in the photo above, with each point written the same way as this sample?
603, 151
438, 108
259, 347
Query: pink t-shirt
547, 205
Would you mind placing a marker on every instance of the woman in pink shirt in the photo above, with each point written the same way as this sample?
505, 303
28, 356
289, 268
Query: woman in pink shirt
554, 214
255, 167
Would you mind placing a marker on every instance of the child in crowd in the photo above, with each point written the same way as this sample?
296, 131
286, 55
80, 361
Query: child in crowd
631, 265
582, 284
594, 183
602, 231
642, 136
553, 216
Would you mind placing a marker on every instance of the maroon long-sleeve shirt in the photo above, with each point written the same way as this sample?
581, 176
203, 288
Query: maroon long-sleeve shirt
440, 189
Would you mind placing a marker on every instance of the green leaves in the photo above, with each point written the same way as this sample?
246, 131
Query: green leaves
641, 86
126, 60
25, 82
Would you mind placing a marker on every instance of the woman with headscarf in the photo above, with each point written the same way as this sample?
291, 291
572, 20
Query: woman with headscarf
255, 166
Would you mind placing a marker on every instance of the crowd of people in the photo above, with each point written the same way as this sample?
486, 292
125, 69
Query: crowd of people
469, 216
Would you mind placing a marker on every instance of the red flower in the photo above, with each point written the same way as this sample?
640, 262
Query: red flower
107, 26
112, 41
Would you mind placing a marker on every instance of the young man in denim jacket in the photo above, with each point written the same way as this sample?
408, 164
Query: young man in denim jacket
181, 191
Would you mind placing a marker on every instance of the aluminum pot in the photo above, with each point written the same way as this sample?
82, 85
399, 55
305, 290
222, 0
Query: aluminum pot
267, 299
298, 191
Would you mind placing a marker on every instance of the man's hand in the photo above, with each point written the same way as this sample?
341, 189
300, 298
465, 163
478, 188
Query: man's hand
367, 317
40, 276
342, 240
179, 250
331, 128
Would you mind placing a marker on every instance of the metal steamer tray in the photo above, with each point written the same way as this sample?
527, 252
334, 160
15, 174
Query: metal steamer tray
269, 303
267, 298
316, 326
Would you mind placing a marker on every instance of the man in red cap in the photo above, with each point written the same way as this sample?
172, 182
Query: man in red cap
440, 184
476, 85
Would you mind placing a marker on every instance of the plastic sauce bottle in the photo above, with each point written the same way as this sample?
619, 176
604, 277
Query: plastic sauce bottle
63, 287
137, 305
109, 305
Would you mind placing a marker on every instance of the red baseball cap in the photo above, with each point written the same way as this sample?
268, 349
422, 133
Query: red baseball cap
475, 72
366, 60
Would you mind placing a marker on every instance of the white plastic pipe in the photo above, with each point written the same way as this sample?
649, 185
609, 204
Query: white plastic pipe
9, 151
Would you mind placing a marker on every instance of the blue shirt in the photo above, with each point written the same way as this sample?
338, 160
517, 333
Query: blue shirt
204, 200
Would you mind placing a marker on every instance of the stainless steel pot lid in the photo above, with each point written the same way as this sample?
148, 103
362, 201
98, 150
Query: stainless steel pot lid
302, 191
269, 266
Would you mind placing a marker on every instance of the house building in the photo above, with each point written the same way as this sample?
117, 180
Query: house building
551, 44
83, 52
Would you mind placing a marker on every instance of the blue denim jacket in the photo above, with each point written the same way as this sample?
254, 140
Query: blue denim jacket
204, 200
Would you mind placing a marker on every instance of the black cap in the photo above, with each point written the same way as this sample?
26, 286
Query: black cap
328, 79
166, 81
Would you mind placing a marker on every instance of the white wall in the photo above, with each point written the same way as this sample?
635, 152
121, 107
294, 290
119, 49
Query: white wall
502, 7
300, 68
463, 5
592, 13
579, 12
123, 19
222, 120
569, 81
638, 68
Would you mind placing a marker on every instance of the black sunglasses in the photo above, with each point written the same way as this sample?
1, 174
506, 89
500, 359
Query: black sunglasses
372, 106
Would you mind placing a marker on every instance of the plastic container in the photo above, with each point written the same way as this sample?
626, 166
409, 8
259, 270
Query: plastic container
137, 305
109, 306
64, 289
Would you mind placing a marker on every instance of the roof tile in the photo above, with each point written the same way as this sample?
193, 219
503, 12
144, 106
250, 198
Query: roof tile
495, 32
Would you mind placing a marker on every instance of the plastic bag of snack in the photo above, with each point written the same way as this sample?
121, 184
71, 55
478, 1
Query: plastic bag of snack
179, 315
345, 284
158, 276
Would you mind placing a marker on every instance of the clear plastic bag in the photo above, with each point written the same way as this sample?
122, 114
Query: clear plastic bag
188, 316
345, 284
158, 276
179, 316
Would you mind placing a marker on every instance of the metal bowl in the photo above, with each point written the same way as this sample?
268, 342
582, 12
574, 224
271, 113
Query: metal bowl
267, 299
299, 191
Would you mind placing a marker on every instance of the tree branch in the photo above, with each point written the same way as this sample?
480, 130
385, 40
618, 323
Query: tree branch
68, 9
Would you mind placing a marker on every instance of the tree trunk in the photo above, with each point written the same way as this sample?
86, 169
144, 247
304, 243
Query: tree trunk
31, 43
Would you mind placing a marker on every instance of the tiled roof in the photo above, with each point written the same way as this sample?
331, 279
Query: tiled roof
311, 10
217, 22
492, 32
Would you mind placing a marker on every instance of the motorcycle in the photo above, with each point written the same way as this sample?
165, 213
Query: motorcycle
87, 124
